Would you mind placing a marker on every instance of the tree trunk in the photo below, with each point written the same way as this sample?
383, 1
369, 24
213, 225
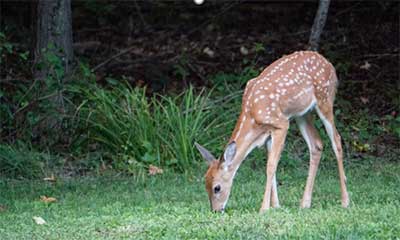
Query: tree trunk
53, 58
319, 23
54, 35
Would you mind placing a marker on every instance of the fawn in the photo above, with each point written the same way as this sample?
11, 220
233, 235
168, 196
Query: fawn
289, 88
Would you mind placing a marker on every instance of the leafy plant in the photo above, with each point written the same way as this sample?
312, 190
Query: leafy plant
393, 125
259, 47
5, 46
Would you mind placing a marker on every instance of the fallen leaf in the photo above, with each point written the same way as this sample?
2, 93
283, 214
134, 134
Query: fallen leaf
52, 178
39, 220
244, 50
48, 199
140, 83
364, 100
209, 52
365, 66
153, 170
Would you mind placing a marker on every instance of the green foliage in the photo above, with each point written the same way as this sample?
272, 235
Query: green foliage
259, 48
8, 49
362, 130
20, 160
26, 108
55, 69
392, 125
16, 110
226, 83
5, 47
136, 131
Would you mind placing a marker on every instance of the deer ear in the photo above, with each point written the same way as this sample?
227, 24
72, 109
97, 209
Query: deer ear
229, 153
205, 153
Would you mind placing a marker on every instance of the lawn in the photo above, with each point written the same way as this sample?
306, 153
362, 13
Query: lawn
175, 206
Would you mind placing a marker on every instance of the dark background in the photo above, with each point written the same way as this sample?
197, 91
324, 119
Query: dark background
163, 32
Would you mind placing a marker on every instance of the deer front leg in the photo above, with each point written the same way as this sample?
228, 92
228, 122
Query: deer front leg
278, 137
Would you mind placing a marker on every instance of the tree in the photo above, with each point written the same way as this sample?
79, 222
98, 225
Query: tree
54, 39
318, 25
53, 54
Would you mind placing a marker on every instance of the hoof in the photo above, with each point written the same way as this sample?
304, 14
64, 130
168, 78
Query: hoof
305, 204
262, 210
276, 206
345, 203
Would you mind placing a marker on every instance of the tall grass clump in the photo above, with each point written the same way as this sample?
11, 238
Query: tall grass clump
20, 160
182, 120
120, 124
134, 130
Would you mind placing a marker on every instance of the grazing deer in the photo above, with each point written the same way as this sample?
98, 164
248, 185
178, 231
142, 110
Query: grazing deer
289, 88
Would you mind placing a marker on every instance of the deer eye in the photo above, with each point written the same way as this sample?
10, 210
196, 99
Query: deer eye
217, 189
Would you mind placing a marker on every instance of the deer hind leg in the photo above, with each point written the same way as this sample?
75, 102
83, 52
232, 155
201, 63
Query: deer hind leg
278, 137
274, 194
325, 112
314, 143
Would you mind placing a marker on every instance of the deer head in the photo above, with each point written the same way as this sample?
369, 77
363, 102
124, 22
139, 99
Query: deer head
218, 176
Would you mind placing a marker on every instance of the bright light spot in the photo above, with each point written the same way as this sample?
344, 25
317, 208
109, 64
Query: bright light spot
198, 2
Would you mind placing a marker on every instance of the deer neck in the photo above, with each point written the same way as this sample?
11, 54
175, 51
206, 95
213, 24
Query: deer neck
247, 135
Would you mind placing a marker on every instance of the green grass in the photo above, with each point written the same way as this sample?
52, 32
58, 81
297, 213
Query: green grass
175, 206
